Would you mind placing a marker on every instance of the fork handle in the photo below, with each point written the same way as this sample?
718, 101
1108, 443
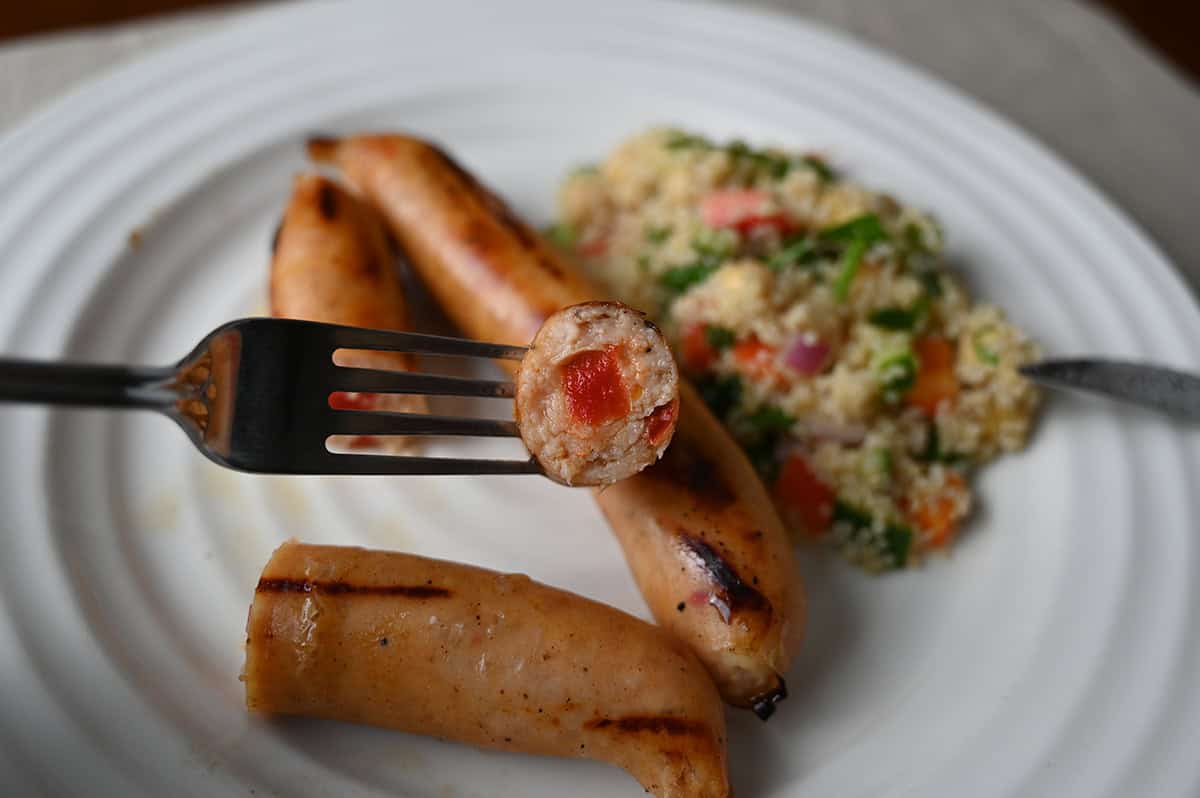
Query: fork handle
49, 382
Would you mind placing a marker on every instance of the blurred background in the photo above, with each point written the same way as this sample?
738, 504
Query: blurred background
1168, 26
1112, 86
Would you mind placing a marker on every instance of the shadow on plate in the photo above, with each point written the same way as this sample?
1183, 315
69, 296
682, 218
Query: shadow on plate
762, 755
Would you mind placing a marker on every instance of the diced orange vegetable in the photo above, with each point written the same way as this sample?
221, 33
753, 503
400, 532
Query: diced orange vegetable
698, 353
756, 359
937, 518
804, 497
935, 382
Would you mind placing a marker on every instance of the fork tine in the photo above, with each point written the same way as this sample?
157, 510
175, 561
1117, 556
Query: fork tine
357, 422
379, 381
419, 343
413, 466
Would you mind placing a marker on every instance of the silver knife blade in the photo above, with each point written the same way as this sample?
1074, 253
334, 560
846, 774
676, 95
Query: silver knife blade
1166, 390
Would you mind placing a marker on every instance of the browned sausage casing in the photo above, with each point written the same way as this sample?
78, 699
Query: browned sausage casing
495, 660
698, 529
332, 263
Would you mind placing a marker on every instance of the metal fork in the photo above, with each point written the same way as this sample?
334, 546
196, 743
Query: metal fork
254, 396
1175, 393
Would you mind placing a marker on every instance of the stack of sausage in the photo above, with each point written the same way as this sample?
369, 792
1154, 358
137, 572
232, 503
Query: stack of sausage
398, 640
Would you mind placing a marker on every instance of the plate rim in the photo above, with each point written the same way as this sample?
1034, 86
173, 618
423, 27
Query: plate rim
932, 84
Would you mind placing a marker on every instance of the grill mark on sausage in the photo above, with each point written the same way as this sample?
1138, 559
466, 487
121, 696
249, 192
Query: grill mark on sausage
686, 468
322, 148
528, 239
659, 724
481, 237
444, 158
339, 588
371, 267
735, 595
327, 202
503, 215
393, 245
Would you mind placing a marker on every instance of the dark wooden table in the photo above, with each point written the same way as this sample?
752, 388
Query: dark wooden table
1170, 26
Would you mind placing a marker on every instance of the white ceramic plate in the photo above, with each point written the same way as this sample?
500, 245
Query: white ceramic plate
1053, 654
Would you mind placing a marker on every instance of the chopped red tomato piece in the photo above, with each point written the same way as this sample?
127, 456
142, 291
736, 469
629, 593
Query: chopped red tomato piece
936, 381
698, 352
804, 497
756, 358
596, 393
343, 400
938, 518
660, 420
727, 207
742, 209
595, 248
775, 221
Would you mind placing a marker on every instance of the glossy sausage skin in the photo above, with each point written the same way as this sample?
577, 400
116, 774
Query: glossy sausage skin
495, 660
440, 214
712, 558
698, 529
331, 262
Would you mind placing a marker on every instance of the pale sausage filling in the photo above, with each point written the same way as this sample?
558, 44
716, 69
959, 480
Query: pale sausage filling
597, 395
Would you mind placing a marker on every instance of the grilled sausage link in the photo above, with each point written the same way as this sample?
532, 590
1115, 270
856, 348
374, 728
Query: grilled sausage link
332, 263
495, 660
698, 529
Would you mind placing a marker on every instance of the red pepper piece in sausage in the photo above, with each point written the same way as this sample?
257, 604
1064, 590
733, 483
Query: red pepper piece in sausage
596, 394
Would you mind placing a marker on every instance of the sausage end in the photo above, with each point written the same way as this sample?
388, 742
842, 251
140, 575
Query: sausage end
764, 705
323, 149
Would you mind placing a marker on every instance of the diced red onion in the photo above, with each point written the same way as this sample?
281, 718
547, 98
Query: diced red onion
807, 354
814, 429
818, 428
